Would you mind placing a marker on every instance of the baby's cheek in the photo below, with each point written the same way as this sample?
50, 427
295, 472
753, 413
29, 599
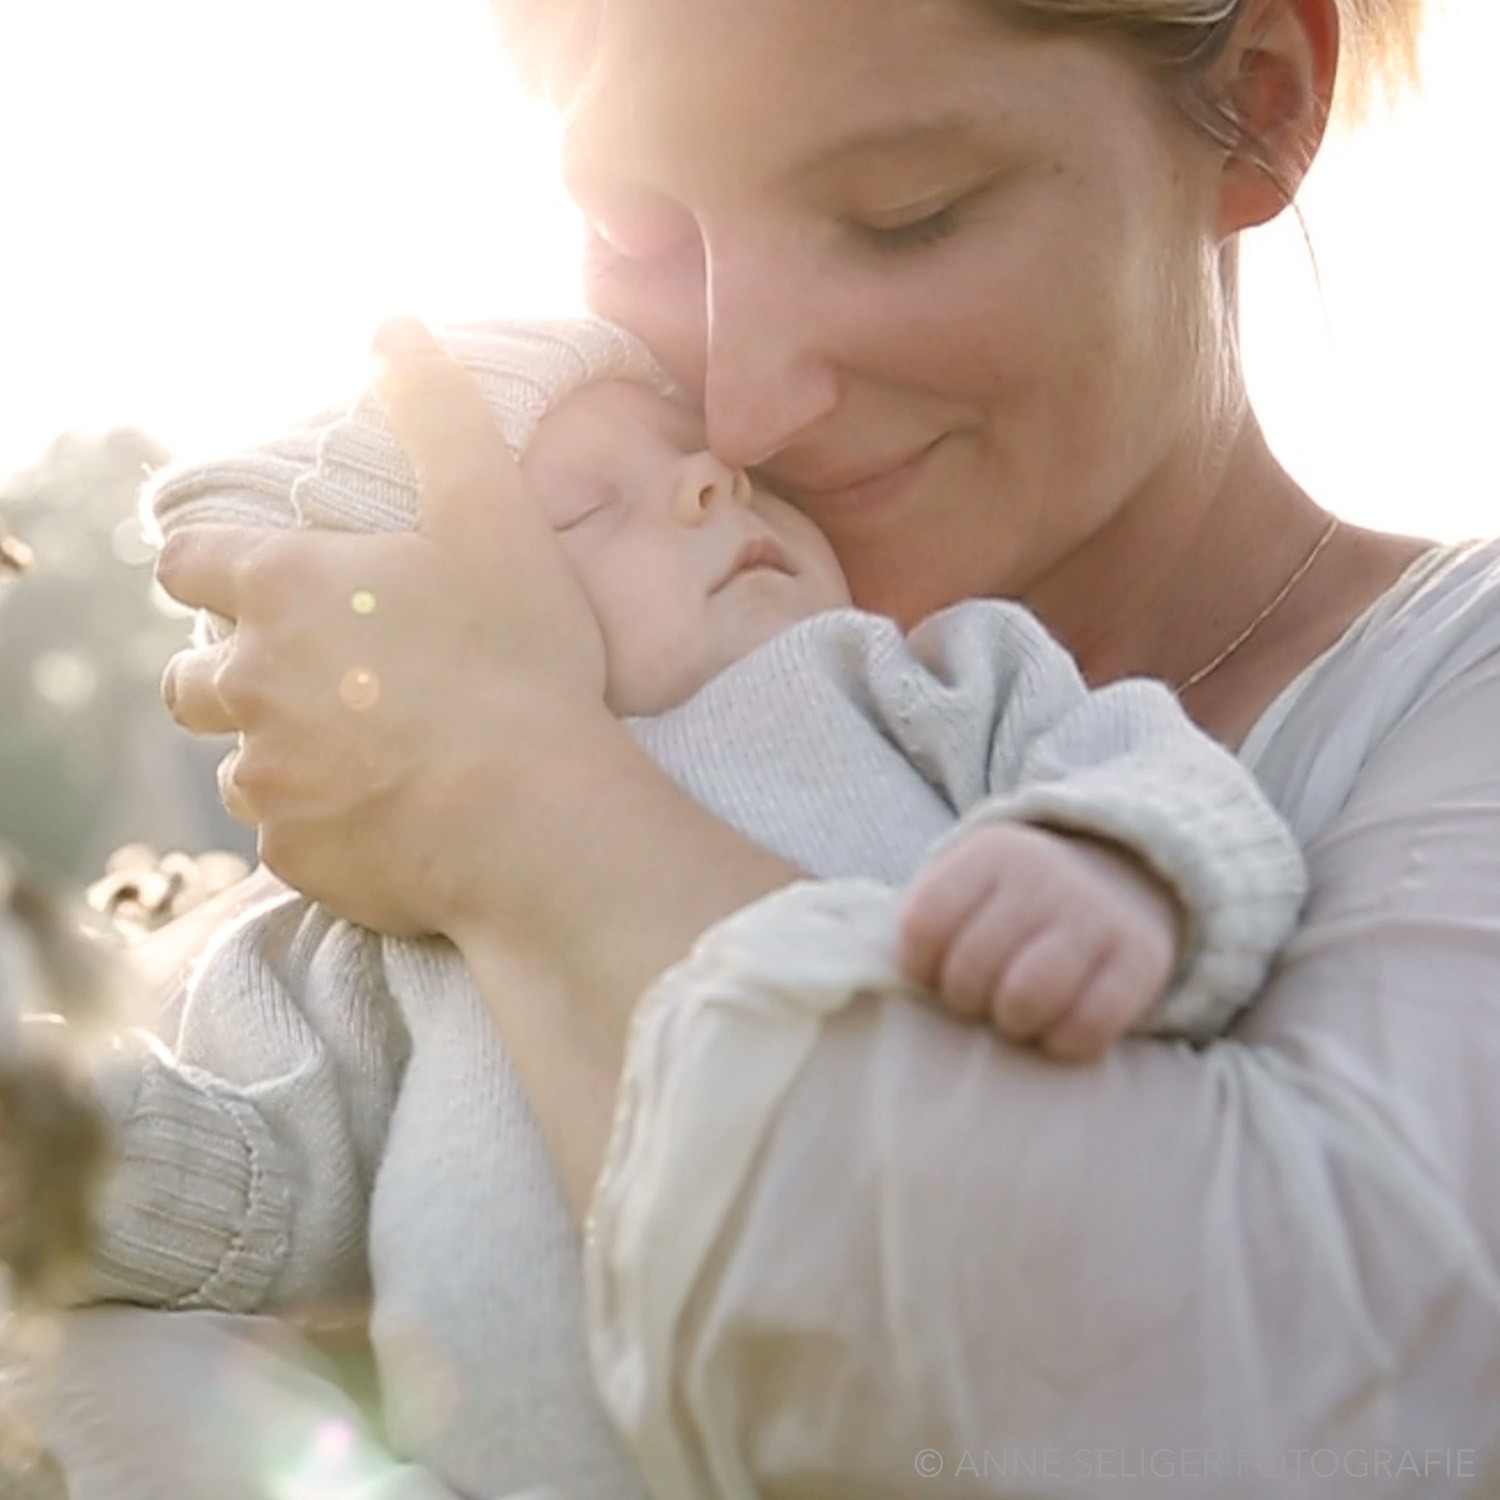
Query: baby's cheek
646, 677
646, 643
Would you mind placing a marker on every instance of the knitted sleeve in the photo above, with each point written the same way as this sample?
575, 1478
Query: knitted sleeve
248, 1149
996, 712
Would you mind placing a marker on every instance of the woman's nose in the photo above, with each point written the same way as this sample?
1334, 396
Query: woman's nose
703, 482
737, 322
765, 380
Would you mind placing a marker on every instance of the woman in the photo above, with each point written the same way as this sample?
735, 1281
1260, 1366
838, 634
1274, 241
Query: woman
960, 279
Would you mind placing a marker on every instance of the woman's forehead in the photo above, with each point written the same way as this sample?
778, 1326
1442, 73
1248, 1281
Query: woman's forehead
726, 78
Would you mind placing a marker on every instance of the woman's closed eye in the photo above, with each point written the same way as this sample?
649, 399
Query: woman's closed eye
927, 228
936, 215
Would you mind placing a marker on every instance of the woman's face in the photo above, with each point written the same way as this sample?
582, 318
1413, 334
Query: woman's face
952, 288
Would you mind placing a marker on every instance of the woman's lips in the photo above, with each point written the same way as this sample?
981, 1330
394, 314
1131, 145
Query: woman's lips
875, 487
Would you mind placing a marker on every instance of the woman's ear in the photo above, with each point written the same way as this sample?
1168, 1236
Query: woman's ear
1279, 75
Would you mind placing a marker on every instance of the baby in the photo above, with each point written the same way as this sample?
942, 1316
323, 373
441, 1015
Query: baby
690, 568
339, 1124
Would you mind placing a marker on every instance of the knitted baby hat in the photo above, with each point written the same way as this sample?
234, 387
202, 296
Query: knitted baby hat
349, 472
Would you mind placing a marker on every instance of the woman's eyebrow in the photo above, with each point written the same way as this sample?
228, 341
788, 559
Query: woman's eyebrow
587, 146
896, 138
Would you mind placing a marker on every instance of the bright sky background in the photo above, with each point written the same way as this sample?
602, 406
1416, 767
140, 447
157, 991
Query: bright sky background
209, 206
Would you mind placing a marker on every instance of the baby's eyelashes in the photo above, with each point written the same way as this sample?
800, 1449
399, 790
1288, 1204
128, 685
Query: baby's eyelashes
585, 504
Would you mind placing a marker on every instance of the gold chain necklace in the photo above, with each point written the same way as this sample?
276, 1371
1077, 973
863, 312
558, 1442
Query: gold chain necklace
1277, 600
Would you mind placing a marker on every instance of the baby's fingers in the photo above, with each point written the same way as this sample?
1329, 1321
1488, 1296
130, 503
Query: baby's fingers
1112, 999
1042, 983
943, 902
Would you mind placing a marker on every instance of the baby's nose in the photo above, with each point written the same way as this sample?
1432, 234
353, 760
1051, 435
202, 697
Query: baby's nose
703, 482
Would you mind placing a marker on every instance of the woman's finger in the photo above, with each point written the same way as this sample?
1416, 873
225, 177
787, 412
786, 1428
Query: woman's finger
231, 793
201, 566
472, 493
190, 689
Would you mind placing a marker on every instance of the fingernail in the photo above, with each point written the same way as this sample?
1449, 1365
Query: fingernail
402, 339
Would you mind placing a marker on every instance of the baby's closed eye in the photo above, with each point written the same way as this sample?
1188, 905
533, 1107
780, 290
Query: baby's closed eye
583, 503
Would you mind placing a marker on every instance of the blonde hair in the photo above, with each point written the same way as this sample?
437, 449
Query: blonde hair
1382, 45
1179, 39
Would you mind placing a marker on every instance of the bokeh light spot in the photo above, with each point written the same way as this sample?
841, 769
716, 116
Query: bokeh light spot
129, 545
360, 689
65, 679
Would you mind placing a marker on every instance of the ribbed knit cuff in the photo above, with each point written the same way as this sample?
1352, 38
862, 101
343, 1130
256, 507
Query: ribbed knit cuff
1230, 860
197, 1212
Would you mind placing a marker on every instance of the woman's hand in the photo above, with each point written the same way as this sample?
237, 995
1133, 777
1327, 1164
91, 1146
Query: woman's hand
390, 691
424, 748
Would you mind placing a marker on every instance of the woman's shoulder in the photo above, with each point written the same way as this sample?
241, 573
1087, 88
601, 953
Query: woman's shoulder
1447, 586
1438, 622
1442, 612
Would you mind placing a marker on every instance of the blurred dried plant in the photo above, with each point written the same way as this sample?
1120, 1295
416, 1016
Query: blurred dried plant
63, 992
15, 555
141, 891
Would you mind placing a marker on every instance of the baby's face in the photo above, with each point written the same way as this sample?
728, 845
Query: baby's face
687, 566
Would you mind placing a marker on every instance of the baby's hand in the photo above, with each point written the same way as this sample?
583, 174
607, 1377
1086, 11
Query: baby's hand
1062, 941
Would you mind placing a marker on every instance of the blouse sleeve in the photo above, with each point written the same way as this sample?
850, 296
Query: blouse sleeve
843, 1245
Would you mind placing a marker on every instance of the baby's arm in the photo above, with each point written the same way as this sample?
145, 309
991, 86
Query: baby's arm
1063, 942
997, 715
246, 1156
245, 1146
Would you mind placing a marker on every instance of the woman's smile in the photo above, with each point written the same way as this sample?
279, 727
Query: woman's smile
877, 486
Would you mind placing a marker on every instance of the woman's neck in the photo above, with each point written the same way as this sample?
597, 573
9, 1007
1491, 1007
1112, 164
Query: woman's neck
1355, 568
1201, 556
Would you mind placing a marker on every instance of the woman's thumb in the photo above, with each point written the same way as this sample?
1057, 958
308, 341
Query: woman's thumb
469, 488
